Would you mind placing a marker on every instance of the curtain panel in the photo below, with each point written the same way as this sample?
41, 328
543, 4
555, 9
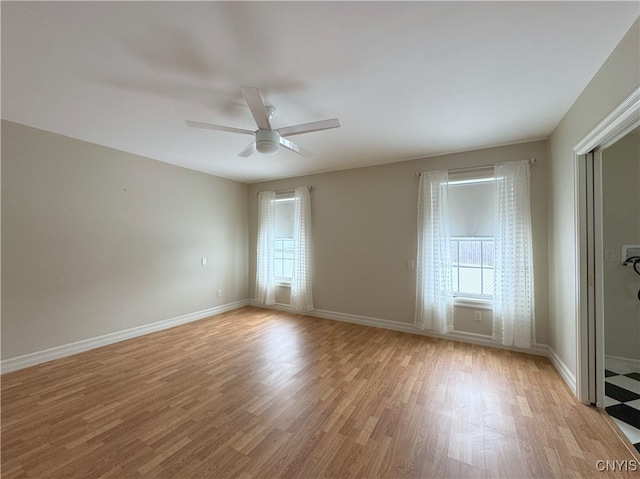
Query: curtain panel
434, 290
513, 302
301, 291
265, 265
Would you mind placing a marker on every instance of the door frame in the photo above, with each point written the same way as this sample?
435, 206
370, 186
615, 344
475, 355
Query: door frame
588, 227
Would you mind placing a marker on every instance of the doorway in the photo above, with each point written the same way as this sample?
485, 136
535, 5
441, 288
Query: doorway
601, 218
618, 174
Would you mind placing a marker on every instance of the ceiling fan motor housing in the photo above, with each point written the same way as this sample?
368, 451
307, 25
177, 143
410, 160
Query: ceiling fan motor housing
267, 141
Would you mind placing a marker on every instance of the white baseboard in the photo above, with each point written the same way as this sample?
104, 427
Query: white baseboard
462, 336
562, 368
277, 306
31, 359
480, 339
622, 365
20, 362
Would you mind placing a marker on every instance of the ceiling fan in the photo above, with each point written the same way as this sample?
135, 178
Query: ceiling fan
267, 140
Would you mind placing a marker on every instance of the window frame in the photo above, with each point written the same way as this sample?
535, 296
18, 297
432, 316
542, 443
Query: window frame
282, 281
482, 175
474, 298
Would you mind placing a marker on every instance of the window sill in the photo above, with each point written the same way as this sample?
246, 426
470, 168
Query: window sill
473, 303
283, 284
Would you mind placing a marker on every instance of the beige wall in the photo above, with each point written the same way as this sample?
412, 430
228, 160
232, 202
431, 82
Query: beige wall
621, 225
364, 232
615, 80
96, 241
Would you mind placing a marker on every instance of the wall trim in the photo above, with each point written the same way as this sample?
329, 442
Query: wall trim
473, 338
465, 337
462, 336
622, 365
623, 119
562, 368
38, 357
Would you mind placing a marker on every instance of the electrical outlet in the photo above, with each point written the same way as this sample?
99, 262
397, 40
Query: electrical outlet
203, 261
219, 293
477, 315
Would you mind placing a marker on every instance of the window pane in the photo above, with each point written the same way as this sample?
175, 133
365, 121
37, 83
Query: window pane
288, 268
283, 257
472, 271
470, 253
487, 253
470, 280
487, 281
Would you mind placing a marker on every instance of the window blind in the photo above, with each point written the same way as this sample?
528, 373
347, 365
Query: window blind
471, 208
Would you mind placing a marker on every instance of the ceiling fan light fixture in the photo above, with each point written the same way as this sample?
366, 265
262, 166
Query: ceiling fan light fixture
267, 142
271, 111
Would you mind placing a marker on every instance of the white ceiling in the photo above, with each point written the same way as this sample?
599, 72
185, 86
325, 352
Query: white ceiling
406, 79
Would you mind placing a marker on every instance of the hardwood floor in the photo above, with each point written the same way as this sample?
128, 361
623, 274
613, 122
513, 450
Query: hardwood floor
260, 393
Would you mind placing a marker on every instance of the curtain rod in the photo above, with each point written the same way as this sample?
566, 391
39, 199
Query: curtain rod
288, 190
532, 161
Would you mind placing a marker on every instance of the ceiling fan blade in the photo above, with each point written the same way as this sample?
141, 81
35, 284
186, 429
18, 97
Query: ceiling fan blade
256, 105
309, 127
248, 150
290, 145
209, 126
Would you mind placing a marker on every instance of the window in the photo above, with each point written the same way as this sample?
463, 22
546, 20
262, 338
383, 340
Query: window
471, 220
472, 273
283, 258
472, 230
283, 243
283, 246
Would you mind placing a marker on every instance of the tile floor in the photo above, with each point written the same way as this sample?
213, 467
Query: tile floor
622, 402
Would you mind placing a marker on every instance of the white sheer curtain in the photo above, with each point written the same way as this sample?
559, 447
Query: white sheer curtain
434, 295
301, 295
513, 301
265, 266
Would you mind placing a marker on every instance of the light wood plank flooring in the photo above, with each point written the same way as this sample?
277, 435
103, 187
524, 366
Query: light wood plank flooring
256, 393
